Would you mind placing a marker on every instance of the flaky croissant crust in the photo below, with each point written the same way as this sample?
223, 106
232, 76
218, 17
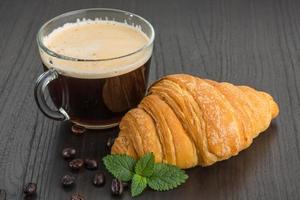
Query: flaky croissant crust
187, 121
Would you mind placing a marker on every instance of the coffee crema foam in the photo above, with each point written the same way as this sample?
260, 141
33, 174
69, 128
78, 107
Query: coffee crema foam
94, 40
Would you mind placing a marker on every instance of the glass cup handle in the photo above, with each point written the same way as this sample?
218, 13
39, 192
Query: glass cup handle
39, 94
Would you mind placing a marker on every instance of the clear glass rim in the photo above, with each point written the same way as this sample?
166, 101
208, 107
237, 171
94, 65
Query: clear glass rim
60, 56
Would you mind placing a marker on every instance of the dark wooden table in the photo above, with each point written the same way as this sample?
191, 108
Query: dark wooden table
244, 42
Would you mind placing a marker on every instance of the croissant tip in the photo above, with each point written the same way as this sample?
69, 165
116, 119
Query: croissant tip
274, 109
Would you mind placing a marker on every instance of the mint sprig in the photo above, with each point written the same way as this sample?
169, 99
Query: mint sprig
158, 176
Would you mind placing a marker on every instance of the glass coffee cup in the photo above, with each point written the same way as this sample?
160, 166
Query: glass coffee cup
96, 64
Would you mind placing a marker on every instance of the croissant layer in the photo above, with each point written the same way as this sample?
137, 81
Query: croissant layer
187, 121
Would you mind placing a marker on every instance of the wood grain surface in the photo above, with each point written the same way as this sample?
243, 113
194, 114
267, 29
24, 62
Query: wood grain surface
253, 42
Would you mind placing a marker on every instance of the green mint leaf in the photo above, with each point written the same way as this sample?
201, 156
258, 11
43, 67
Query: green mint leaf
145, 165
138, 184
166, 177
120, 166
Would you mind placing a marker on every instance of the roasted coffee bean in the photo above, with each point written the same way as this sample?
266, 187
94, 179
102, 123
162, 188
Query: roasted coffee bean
2, 194
30, 197
67, 180
68, 153
125, 185
99, 179
90, 164
116, 187
110, 142
77, 130
30, 189
76, 164
77, 197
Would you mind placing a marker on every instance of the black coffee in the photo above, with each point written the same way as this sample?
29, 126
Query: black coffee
100, 101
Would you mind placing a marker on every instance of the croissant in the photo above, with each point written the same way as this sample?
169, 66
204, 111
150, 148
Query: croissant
187, 121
